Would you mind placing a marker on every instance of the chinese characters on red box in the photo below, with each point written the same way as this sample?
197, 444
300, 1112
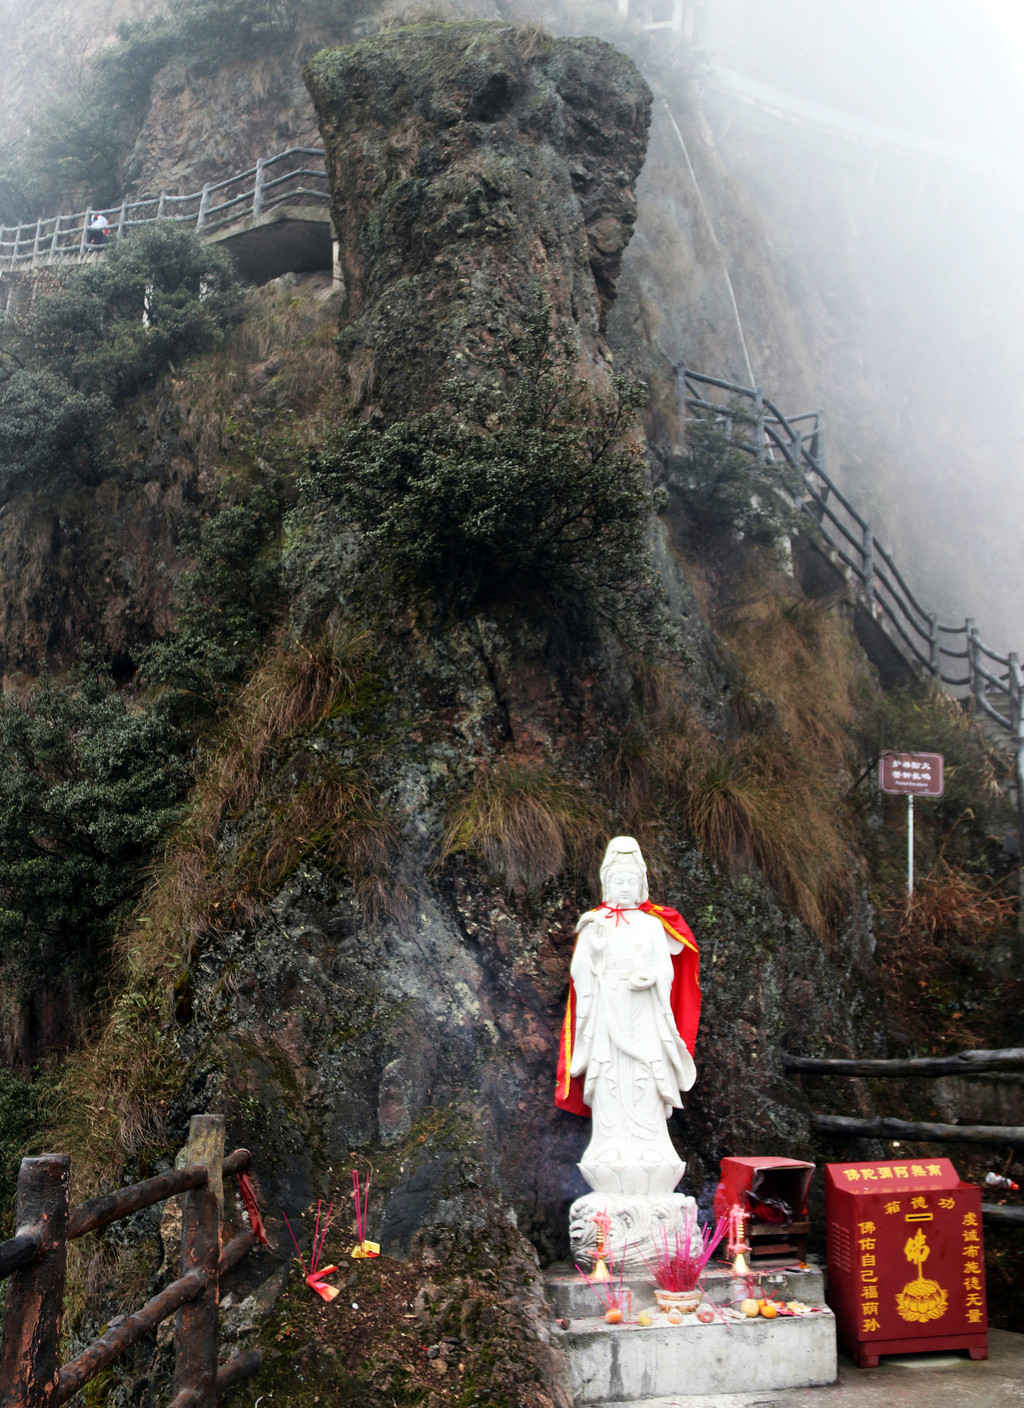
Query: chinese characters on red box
906, 1267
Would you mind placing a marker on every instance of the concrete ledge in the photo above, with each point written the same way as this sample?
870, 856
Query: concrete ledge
572, 1299
911, 1381
626, 1363
293, 239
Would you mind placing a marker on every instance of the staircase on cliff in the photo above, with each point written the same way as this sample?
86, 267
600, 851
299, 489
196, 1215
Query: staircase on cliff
899, 636
272, 218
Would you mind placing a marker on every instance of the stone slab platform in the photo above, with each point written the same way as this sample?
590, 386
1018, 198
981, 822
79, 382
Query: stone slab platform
572, 1299
900, 1381
627, 1363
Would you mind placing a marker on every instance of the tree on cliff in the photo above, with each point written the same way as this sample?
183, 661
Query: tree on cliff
101, 333
89, 784
524, 490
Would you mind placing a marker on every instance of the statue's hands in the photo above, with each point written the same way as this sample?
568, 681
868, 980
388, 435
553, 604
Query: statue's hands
639, 981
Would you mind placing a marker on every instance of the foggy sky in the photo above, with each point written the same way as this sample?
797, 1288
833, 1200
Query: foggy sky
923, 363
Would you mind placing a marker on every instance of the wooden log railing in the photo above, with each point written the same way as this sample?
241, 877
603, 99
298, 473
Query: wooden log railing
293, 177
915, 1131
35, 1260
853, 1127
962, 1063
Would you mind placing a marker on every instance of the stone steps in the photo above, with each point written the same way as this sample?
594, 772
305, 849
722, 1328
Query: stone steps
629, 1363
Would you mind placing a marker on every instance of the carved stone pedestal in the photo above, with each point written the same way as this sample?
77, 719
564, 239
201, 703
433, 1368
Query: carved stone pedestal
637, 1231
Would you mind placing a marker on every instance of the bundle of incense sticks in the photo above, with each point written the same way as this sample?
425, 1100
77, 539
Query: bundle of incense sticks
315, 1273
615, 1297
365, 1248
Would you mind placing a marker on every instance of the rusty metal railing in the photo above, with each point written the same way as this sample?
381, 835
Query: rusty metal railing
287, 179
35, 1259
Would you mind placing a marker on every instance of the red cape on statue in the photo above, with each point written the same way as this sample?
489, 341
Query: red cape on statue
685, 1002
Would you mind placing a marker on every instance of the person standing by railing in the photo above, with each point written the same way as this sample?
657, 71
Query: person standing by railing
98, 230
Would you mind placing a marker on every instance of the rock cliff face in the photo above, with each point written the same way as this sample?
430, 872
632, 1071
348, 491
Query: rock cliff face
203, 127
47, 44
465, 177
474, 168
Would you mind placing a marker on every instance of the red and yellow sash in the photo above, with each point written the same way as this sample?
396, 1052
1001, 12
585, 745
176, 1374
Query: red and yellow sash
685, 1002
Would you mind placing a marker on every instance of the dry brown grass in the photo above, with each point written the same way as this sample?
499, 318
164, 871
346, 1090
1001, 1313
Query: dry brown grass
933, 952
749, 801
362, 376
282, 354
526, 824
403, 15
307, 806
532, 39
948, 908
402, 149
797, 653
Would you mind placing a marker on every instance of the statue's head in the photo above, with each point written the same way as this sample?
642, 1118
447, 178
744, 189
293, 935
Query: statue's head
623, 873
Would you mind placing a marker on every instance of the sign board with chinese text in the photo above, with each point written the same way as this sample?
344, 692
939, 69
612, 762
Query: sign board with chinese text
906, 1262
911, 774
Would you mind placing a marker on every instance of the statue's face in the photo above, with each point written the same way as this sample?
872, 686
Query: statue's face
624, 886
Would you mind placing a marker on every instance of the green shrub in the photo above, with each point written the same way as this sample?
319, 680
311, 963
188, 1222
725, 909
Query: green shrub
526, 491
89, 786
46, 423
19, 1104
229, 603
726, 491
83, 346
925, 719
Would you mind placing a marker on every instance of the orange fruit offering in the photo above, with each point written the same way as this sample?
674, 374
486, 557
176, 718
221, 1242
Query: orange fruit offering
613, 1315
768, 1310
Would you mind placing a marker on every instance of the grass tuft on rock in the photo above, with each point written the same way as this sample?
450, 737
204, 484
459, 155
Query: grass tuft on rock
526, 823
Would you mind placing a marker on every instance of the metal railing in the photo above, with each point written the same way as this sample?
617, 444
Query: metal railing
955, 655
31, 1375
274, 182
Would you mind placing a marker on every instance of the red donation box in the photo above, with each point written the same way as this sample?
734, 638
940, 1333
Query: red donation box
906, 1263
774, 1192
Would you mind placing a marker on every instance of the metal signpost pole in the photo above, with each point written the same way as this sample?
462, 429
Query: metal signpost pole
909, 775
910, 845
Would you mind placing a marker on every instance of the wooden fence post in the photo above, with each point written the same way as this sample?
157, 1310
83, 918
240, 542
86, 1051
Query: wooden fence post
195, 1337
933, 644
29, 1356
759, 425
978, 686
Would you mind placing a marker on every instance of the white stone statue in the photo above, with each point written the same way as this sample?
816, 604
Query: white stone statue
625, 1058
